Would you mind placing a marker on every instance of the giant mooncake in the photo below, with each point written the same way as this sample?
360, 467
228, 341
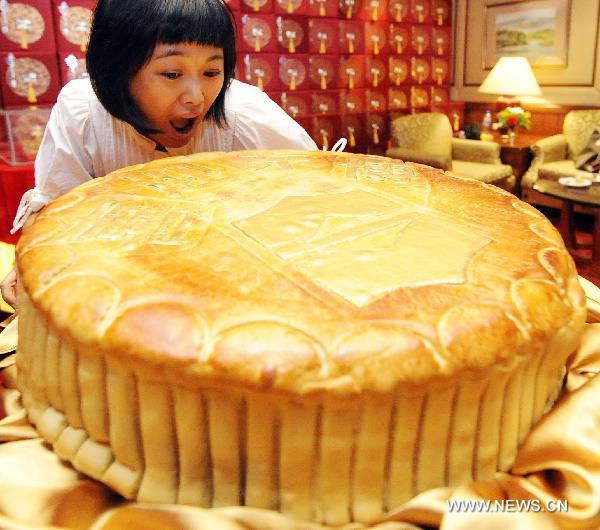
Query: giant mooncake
323, 334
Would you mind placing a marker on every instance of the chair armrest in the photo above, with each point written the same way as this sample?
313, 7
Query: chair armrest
420, 157
550, 149
475, 151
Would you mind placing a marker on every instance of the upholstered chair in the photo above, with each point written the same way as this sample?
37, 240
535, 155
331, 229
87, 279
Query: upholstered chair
426, 138
554, 156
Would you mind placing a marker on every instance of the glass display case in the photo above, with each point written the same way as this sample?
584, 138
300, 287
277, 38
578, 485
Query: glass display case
21, 132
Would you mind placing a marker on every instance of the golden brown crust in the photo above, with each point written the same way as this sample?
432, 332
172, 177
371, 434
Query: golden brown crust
302, 271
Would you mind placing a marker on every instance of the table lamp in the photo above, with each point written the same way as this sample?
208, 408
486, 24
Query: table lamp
511, 77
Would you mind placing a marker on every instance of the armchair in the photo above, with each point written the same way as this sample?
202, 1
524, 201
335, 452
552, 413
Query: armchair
427, 138
554, 156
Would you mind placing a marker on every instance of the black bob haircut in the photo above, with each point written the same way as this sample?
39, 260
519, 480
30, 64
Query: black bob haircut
125, 33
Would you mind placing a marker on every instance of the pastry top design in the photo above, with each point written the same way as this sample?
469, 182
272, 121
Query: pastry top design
302, 271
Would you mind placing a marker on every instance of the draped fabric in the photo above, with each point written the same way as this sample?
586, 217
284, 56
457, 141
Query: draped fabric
557, 465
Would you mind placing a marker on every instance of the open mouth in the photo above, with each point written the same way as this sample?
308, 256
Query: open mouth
183, 125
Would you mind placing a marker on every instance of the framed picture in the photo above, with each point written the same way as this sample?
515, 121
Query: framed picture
536, 29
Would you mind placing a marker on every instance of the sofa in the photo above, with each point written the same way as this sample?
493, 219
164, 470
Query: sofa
427, 138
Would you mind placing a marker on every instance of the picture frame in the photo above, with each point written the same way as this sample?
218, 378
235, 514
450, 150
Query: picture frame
535, 29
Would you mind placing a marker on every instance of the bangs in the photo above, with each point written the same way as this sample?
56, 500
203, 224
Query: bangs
195, 21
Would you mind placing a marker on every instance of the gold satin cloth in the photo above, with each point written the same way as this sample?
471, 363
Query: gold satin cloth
559, 460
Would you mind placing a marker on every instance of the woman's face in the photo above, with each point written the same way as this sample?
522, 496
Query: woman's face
176, 88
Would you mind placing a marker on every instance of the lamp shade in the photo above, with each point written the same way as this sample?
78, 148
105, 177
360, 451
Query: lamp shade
511, 76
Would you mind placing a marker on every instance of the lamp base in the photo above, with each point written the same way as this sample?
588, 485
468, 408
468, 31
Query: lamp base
507, 101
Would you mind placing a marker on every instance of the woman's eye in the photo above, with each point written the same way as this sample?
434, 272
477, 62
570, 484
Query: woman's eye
213, 73
171, 75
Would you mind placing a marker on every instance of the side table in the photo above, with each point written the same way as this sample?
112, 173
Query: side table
517, 155
570, 197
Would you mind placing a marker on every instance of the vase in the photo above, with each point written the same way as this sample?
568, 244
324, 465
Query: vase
512, 135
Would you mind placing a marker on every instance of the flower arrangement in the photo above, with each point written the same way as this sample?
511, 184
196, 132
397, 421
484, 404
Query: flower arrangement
510, 117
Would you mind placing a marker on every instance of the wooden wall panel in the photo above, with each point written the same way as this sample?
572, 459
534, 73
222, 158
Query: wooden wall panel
545, 120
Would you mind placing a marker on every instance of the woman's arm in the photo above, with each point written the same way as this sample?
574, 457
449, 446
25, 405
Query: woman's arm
262, 124
62, 161
8, 286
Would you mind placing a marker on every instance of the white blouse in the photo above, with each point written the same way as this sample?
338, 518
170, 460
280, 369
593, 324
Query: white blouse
83, 141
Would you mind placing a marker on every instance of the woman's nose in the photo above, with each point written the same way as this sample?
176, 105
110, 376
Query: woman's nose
192, 94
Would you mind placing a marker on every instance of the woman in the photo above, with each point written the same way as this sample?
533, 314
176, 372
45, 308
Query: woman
161, 84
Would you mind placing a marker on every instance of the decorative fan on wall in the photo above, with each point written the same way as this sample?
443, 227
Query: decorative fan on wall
323, 103
353, 127
349, 8
398, 9
420, 40
352, 71
376, 38
75, 24
420, 10
375, 125
398, 70
353, 102
439, 71
289, 5
440, 11
323, 128
257, 71
21, 23
27, 77
439, 96
322, 72
419, 97
29, 128
322, 36
256, 32
76, 67
292, 72
397, 99
322, 7
289, 34
399, 38
440, 41
294, 105
351, 38
376, 10
255, 5
419, 70
375, 71
376, 101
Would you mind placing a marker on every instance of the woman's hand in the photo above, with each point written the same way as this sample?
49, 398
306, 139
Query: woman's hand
8, 288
